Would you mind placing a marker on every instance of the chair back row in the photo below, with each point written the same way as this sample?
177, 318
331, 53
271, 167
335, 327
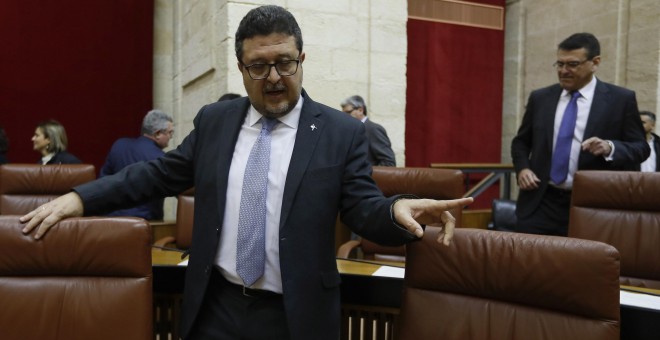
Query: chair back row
622, 209
88, 278
499, 285
24, 187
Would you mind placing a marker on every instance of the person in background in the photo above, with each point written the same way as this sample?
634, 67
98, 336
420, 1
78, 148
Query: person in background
51, 142
271, 172
4, 146
157, 130
380, 148
581, 123
651, 164
229, 96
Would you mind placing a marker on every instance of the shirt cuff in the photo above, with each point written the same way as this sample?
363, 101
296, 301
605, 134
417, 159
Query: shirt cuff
401, 197
610, 157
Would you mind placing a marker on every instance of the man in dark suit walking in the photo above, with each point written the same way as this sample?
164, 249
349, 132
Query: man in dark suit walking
271, 172
581, 123
380, 148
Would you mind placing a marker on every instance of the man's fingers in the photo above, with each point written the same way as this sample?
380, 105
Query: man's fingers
456, 203
447, 234
46, 224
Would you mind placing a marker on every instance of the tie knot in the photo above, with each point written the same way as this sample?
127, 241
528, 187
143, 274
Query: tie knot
575, 95
268, 123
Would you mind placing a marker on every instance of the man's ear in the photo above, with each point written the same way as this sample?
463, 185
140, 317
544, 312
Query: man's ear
240, 66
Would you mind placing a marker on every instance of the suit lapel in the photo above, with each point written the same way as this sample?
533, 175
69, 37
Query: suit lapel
310, 129
225, 139
598, 110
549, 110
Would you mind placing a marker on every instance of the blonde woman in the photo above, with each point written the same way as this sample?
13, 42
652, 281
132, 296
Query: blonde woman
50, 141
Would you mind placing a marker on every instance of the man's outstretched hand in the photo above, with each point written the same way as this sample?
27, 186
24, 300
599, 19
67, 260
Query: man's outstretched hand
47, 215
412, 213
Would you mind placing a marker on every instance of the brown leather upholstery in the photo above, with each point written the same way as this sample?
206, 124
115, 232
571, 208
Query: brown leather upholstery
621, 209
89, 278
24, 187
500, 285
431, 183
184, 222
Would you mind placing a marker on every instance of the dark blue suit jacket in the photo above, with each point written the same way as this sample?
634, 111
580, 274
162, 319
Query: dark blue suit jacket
124, 152
613, 116
328, 173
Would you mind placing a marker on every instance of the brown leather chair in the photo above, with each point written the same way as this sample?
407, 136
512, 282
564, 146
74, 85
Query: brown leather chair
24, 187
501, 285
184, 222
622, 209
440, 184
88, 278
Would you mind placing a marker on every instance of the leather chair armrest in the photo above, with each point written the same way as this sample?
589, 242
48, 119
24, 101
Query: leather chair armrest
163, 242
345, 249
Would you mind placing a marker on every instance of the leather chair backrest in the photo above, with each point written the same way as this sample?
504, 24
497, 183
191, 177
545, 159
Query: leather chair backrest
440, 184
498, 285
185, 210
622, 209
88, 278
24, 187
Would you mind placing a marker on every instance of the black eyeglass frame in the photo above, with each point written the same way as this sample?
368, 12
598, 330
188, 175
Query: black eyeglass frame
270, 67
569, 64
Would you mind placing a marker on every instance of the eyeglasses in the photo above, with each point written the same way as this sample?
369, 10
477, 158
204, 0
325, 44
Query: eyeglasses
284, 68
569, 64
349, 111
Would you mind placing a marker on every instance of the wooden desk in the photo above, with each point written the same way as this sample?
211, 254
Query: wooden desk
370, 304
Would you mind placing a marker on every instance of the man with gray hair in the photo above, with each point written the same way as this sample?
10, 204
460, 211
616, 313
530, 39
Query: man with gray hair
157, 130
380, 148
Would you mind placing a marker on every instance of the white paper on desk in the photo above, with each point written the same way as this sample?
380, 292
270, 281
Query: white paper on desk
640, 300
389, 271
183, 263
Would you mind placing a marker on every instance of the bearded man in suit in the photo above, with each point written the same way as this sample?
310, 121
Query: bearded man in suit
317, 168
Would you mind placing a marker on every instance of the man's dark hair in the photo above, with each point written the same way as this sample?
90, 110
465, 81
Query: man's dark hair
582, 40
648, 114
265, 20
229, 96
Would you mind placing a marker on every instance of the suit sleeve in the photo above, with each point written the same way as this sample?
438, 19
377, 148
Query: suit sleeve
364, 209
521, 145
632, 148
144, 181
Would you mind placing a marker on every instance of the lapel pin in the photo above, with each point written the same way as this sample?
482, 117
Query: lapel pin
313, 127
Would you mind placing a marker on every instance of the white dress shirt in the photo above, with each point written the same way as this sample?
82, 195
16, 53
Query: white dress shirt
283, 138
649, 164
584, 106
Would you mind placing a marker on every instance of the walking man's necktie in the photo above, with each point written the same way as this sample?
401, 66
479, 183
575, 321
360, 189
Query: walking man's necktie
251, 243
562, 153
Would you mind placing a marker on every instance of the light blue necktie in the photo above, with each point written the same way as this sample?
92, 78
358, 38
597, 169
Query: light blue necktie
251, 241
562, 154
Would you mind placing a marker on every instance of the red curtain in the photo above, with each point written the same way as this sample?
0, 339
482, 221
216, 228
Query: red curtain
454, 96
87, 64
